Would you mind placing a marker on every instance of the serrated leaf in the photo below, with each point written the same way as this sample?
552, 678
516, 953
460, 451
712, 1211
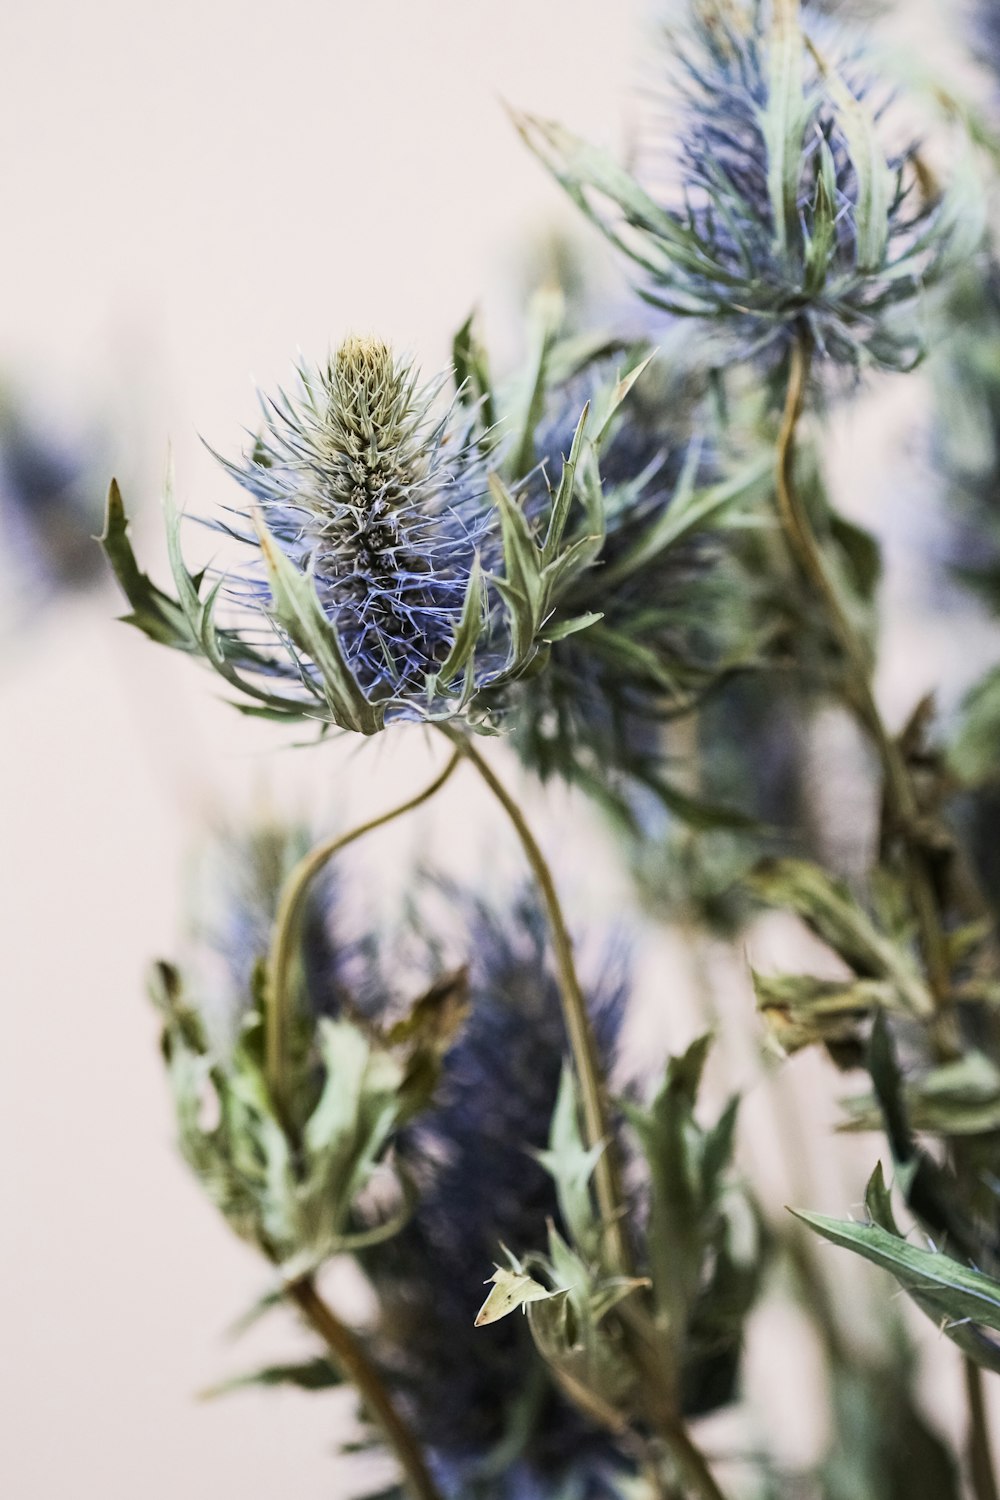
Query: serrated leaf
685, 1167
961, 1301
571, 1166
153, 612
828, 906
875, 180
803, 1011
511, 1290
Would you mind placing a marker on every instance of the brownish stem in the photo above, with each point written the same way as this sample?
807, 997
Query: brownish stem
607, 1178
278, 1014
354, 1363
900, 794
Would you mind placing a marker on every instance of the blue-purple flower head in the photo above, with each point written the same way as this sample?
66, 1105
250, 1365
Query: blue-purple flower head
49, 507
475, 1394
368, 487
785, 214
387, 570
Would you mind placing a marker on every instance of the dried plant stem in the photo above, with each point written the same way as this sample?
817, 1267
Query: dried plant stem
278, 1014
981, 1469
607, 1177
903, 806
900, 794
593, 1091
353, 1362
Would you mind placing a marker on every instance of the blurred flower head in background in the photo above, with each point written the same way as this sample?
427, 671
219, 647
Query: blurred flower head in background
50, 511
481, 1398
784, 214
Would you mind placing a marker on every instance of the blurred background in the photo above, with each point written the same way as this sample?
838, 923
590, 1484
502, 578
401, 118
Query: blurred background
193, 194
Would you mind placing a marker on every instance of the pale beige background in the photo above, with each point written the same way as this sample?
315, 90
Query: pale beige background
190, 193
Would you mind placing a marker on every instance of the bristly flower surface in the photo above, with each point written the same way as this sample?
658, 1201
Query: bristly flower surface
367, 486
789, 218
392, 574
480, 1398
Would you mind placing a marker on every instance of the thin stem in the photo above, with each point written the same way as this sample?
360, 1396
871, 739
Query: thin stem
352, 1360
593, 1092
279, 1001
900, 793
981, 1469
697, 1476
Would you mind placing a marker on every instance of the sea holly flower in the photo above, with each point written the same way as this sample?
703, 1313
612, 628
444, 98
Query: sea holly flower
388, 573
480, 1185
789, 218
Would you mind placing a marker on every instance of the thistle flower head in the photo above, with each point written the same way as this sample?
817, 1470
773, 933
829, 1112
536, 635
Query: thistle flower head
785, 216
377, 495
480, 1189
389, 573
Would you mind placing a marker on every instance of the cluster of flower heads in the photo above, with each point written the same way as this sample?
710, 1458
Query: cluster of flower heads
793, 220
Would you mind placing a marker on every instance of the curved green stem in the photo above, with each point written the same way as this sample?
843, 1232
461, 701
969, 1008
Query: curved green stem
900, 794
278, 1011
607, 1178
354, 1363
593, 1092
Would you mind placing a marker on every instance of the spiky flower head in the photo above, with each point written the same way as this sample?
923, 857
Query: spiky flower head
787, 216
474, 1394
363, 484
389, 572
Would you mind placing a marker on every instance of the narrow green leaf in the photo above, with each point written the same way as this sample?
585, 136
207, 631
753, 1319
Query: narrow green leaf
310, 1375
